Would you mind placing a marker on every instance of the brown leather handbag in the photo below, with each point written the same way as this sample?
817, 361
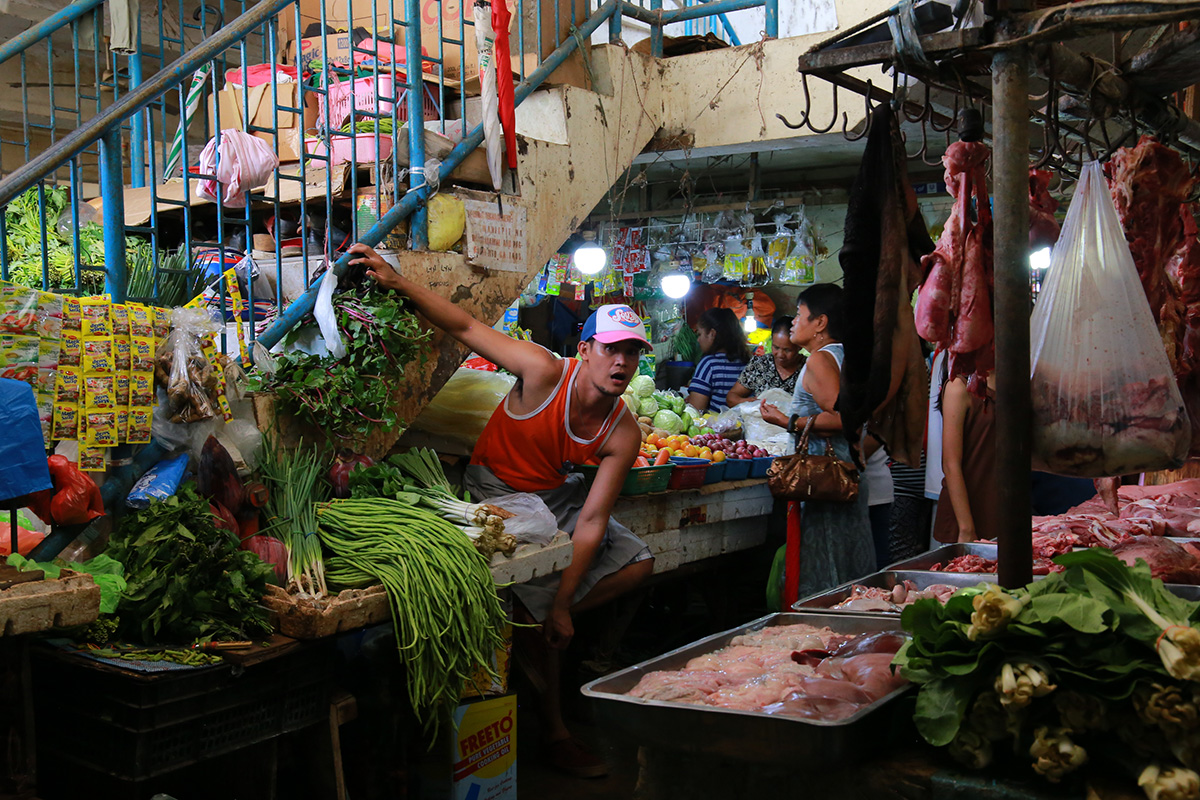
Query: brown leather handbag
803, 477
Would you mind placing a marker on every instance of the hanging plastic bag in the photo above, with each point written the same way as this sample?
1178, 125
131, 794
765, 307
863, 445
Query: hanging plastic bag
464, 405
531, 522
781, 244
1105, 401
327, 317
192, 380
756, 266
246, 163
714, 263
799, 265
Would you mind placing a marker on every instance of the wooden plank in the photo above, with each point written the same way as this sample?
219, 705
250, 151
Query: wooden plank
935, 45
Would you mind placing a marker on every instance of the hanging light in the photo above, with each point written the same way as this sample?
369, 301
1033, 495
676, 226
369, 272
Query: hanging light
675, 284
1039, 260
590, 257
749, 324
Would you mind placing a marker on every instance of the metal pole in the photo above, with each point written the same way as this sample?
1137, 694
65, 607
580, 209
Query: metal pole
112, 194
772, 18
49, 25
614, 27
418, 230
656, 30
137, 131
1014, 429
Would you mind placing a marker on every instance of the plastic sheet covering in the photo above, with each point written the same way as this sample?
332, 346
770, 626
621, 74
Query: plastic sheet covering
462, 408
1105, 401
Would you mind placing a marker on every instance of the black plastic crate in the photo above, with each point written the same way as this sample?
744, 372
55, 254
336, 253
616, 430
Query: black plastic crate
201, 714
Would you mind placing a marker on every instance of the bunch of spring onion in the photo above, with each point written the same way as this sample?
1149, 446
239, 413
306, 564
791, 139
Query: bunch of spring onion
448, 619
482, 522
294, 480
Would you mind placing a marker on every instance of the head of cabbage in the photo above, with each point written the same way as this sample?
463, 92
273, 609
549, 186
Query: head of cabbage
642, 385
669, 421
647, 407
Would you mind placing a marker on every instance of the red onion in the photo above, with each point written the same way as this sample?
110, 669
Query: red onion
339, 473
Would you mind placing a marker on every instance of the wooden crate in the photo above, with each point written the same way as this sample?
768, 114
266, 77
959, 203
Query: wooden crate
302, 619
72, 599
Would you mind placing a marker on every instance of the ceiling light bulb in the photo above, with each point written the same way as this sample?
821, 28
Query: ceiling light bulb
675, 285
590, 257
749, 324
1040, 259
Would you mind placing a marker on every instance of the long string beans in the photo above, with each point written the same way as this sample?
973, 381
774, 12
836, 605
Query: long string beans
447, 617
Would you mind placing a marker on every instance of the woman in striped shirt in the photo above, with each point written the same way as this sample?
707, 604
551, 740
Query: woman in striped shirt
725, 356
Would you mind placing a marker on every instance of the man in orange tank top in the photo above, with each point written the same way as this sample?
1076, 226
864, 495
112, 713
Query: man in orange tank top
558, 413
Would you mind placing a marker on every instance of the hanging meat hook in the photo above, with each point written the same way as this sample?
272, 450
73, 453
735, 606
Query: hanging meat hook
953, 118
806, 118
854, 137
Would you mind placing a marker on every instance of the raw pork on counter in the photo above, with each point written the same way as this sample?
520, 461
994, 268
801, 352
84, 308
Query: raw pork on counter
794, 670
876, 598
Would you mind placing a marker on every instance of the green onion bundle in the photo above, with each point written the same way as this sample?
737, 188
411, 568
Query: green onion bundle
294, 480
447, 617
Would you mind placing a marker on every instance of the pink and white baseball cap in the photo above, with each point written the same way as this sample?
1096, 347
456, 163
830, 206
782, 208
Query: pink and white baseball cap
614, 323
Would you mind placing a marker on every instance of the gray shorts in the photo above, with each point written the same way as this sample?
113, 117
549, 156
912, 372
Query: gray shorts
619, 548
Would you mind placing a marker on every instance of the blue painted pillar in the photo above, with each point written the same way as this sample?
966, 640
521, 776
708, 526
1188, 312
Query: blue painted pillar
656, 31
137, 134
418, 228
112, 194
772, 11
614, 26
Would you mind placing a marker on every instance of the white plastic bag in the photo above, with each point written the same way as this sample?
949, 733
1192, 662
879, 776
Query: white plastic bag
532, 521
246, 163
760, 433
1105, 400
464, 405
326, 317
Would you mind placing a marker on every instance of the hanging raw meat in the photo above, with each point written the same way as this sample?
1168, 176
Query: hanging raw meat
884, 381
954, 306
1183, 270
1149, 182
1043, 227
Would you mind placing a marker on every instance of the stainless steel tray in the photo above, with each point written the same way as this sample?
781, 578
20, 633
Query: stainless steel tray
886, 580
744, 735
944, 554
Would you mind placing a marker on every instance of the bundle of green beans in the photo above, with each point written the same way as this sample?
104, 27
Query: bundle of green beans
447, 617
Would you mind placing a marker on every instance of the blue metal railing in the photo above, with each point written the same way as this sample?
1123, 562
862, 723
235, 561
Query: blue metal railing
383, 65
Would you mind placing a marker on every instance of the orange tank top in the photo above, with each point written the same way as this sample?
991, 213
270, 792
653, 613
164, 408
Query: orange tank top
534, 452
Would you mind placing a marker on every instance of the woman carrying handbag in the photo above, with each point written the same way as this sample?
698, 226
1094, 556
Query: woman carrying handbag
835, 543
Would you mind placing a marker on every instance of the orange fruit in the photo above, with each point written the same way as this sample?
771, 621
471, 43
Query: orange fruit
690, 451
652, 439
705, 452
718, 457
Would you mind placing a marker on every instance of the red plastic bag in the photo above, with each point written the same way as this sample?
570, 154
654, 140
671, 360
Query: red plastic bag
74, 500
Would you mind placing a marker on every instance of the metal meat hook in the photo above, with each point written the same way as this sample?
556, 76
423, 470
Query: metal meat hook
805, 120
851, 137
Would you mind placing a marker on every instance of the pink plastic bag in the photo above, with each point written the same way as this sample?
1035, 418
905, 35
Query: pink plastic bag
246, 162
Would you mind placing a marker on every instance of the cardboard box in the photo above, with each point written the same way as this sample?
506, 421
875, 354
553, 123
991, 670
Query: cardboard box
291, 126
338, 16
485, 750
570, 73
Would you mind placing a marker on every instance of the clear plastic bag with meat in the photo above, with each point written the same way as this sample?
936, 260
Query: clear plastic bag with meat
1105, 401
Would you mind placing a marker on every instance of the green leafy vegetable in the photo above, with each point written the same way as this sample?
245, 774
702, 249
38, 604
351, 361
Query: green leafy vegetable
350, 397
107, 572
187, 579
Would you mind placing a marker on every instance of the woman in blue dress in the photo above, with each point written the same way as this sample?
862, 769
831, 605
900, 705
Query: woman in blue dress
835, 538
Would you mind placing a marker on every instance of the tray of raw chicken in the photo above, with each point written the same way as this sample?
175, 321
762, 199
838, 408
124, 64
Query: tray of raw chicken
808, 688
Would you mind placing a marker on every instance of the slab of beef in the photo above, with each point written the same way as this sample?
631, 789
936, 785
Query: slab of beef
1149, 183
954, 305
1043, 227
1167, 561
884, 381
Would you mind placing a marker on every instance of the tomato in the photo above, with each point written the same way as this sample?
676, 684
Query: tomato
690, 451
652, 439
718, 456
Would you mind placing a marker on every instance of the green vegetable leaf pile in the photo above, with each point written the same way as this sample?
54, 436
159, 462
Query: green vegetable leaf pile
187, 579
1100, 657
350, 397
